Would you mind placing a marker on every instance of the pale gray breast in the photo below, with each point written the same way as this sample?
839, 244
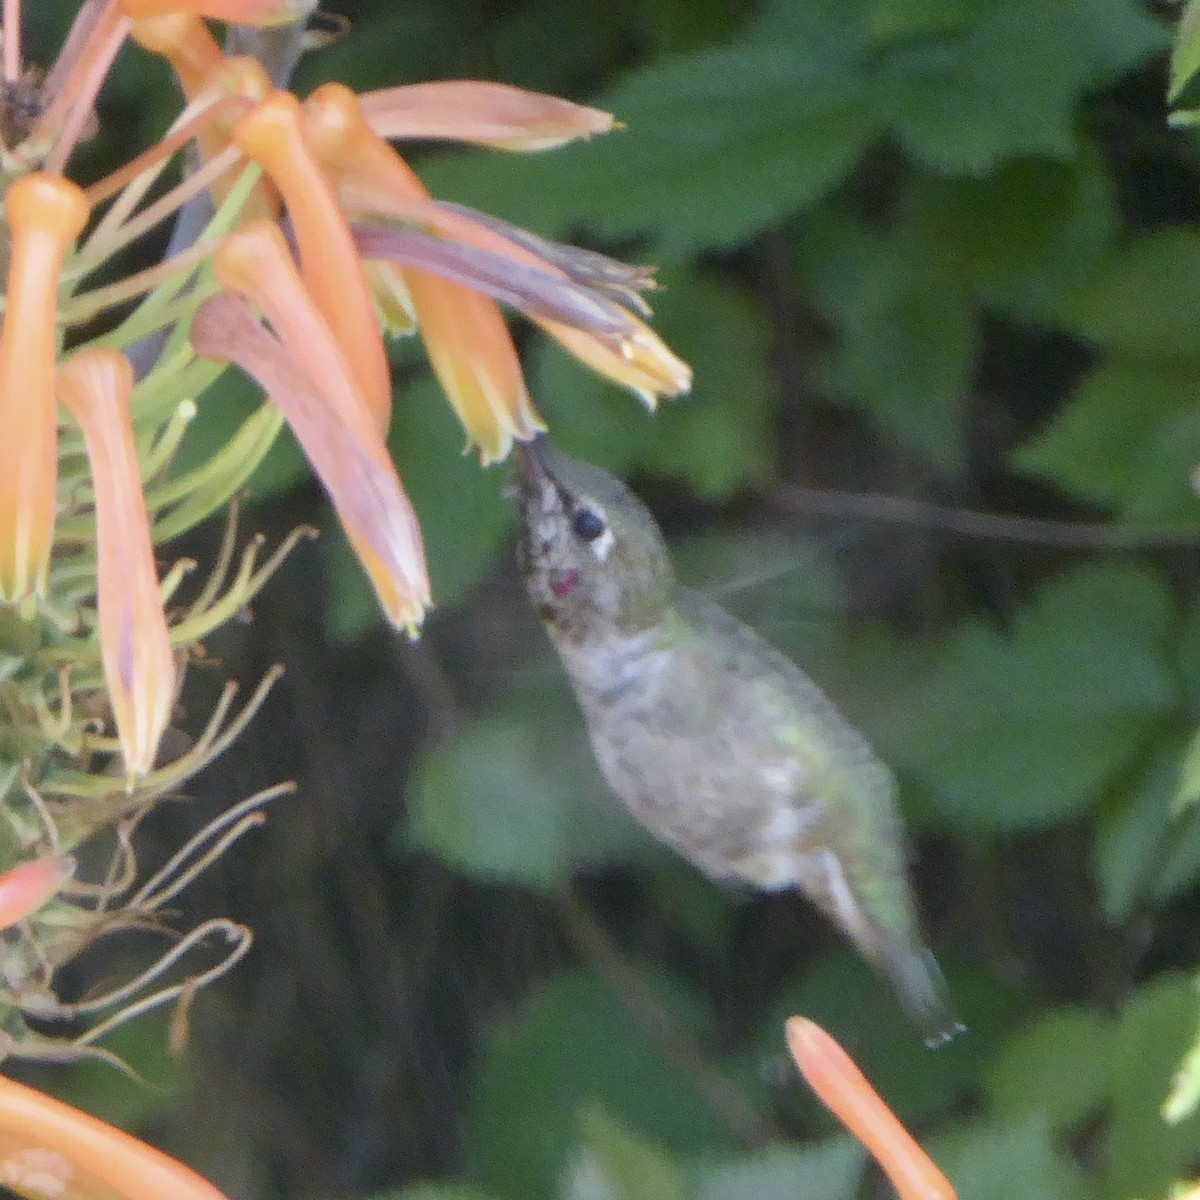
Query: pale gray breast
693, 751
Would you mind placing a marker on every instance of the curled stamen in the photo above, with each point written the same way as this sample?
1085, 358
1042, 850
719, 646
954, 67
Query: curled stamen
177, 873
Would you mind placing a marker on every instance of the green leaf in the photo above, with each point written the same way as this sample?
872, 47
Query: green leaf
516, 796
573, 1047
720, 144
830, 1169
1010, 85
612, 1164
1021, 237
1026, 729
1184, 1097
1185, 52
1145, 1155
719, 438
1142, 852
1142, 299
906, 335
1057, 1066
1187, 789
1106, 444
1009, 1161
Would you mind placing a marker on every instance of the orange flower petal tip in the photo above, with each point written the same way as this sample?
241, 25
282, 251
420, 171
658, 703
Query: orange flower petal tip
241, 12
49, 1149
486, 114
185, 42
47, 203
27, 886
844, 1090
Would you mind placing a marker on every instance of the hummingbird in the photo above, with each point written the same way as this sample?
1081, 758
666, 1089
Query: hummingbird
717, 743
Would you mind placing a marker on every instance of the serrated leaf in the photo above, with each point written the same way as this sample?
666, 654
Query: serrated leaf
1008, 1161
1142, 299
1104, 444
1010, 84
611, 1164
720, 144
719, 438
1026, 729
831, 1169
571, 1047
516, 796
1058, 1065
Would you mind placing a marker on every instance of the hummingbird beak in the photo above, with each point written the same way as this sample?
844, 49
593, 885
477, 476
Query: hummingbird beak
529, 459
534, 477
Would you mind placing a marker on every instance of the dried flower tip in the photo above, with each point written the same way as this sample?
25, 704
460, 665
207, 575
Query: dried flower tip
487, 114
844, 1090
95, 386
45, 214
642, 362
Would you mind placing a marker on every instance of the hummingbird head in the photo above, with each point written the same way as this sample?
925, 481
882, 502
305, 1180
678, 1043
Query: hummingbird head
593, 559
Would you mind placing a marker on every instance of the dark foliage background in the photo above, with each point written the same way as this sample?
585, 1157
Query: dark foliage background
937, 267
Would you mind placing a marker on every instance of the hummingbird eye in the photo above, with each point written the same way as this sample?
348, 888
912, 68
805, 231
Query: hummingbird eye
587, 524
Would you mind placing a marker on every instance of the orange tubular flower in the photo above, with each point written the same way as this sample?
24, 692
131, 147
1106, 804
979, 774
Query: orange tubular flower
27, 886
312, 383
486, 114
372, 178
45, 215
242, 12
48, 1148
844, 1090
204, 72
468, 343
185, 42
271, 136
139, 667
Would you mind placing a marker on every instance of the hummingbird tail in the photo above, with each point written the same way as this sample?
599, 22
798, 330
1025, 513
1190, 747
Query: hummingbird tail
919, 984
